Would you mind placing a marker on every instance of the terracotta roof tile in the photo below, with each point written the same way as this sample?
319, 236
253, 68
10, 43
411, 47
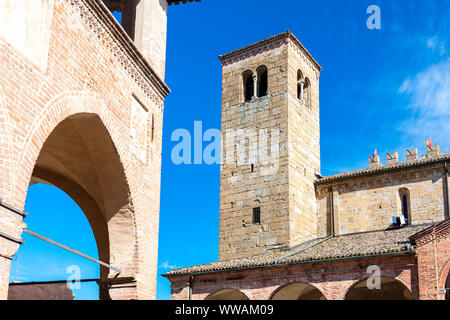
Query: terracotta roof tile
353, 245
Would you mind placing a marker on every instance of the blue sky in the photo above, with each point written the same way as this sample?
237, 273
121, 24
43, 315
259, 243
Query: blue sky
385, 89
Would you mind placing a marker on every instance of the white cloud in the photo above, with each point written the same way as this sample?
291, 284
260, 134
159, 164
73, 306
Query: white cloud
435, 44
167, 266
429, 93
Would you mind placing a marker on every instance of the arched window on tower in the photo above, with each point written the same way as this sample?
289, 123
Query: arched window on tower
247, 79
262, 81
307, 93
300, 85
405, 205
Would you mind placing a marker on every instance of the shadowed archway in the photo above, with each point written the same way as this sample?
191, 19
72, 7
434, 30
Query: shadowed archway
298, 291
390, 289
227, 294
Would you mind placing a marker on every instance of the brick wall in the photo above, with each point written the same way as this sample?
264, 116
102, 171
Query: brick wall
333, 279
433, 259
92, 68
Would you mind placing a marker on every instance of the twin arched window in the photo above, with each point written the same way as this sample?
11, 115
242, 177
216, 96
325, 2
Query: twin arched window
255, 85
303, 89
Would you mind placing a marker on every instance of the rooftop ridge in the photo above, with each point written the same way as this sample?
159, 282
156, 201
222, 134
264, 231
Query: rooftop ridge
287, 35
382, 169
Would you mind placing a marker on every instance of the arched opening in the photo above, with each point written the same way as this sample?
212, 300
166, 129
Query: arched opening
248, 84
262, 81
300, 85
389, 289
227, 294
298, 291
405, 205
447, 287
39, 269
80, 158
307, 93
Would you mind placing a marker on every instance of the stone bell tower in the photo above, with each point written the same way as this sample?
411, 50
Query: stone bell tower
270, 103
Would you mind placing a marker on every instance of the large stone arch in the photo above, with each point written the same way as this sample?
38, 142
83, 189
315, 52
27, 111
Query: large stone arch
391, 289
297, 291
77, 144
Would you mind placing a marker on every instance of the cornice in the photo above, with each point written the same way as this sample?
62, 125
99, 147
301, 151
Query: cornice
432, 233
268, 44
401, 167
99, 19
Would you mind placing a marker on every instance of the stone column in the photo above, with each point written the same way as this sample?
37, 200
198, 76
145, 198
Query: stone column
302, 84
150, 32
255, 86
145, 21
180, 288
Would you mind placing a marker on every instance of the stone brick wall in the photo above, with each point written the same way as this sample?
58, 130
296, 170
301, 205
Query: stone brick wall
333, 279
92, 69
239, 187
285, 193
369, 202
304, 147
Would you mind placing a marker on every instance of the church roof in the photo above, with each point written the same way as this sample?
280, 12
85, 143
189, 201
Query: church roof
382, 169
366, 244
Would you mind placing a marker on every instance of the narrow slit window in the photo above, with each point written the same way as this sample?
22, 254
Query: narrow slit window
257, 215
405, 208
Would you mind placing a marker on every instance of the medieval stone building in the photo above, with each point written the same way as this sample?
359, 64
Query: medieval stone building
81, 108
290, 233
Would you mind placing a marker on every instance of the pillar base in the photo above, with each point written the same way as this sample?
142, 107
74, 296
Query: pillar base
118, 289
